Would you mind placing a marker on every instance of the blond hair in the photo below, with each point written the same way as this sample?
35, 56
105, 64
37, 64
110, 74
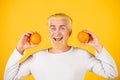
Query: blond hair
61, 16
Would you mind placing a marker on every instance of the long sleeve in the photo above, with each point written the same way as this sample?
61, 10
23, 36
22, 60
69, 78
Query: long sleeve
103, 65
14, 70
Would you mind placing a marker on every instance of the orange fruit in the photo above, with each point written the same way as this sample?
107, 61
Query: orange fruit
83, 37
35, 38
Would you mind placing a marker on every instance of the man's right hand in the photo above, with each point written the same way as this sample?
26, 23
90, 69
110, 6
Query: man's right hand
24, 42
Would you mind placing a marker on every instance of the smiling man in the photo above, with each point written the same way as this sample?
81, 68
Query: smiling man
60, 30
61, 61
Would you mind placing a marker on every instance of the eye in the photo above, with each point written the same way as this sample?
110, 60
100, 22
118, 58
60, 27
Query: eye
62, 27
53, 28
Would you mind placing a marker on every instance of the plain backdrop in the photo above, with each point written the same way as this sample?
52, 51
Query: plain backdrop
19, 16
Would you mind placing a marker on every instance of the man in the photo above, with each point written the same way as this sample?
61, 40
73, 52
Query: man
61, 61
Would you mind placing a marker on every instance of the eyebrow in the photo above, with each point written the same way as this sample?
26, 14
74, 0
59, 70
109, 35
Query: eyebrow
54, 25
62, 25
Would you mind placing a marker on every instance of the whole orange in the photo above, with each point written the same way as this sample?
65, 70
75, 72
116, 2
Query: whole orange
35, 38
83, 37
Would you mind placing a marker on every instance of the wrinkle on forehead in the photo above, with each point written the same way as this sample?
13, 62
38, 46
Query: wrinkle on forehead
58, 22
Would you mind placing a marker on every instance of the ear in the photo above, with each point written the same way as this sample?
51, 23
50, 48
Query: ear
70, 32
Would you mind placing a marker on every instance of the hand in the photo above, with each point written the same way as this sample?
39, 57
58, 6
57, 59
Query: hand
93, 41
24, 42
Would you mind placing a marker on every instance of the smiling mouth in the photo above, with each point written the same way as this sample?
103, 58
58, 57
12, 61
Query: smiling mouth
57, 38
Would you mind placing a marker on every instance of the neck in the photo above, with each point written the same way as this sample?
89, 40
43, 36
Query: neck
59, 50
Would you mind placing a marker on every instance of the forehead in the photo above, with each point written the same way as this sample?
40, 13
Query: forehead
57, 22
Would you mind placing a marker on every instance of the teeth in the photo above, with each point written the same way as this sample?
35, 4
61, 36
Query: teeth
57, 38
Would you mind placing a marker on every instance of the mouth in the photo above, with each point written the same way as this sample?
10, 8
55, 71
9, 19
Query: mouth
57, 39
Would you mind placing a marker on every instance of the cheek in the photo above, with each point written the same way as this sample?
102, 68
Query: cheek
66, 34
51, 33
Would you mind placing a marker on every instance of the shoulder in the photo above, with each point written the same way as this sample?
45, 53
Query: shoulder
39, 53
35, 56
82, 52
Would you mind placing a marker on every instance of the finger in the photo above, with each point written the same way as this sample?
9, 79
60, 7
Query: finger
28, 33
87, 31
91, 34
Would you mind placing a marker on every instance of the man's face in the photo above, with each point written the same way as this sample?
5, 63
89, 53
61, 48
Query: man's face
59, 32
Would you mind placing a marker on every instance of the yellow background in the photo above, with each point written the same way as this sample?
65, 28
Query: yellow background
99, 16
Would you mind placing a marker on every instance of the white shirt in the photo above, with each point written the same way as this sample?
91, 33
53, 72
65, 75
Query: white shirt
70, 65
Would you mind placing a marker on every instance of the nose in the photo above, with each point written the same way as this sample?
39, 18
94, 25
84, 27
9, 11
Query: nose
57, 32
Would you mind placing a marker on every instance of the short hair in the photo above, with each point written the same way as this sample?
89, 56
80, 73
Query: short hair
61, 16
